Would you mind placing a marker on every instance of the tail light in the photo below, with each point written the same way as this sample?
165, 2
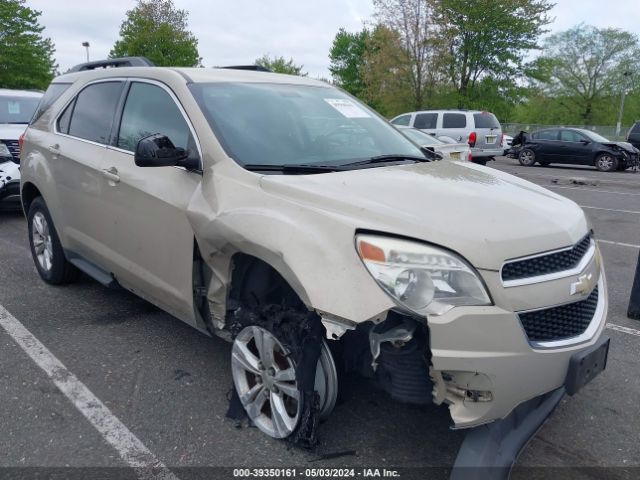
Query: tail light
20, 141
470, 157
472, 139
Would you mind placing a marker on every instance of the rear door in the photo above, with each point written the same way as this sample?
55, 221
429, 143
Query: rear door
147, 206
547, 147
488, 131
76, 153
454, 125
427, 122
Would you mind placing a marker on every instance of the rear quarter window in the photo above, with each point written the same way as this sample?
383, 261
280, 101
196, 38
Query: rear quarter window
54, 92
485, 120
402, 120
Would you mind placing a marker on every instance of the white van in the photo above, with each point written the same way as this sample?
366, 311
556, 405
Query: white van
481, 130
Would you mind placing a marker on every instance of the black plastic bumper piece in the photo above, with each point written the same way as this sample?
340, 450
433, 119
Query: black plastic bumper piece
488, 452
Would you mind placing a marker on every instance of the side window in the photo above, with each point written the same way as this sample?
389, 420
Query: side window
148, 110
454, 120
636, 128
426, 120
65, 118
95, 107
570, 136
54, 92
547, 135
402, 121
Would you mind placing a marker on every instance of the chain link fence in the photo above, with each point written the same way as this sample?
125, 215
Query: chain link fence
607, 131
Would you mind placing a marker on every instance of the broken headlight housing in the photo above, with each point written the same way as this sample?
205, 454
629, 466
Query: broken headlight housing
421, 278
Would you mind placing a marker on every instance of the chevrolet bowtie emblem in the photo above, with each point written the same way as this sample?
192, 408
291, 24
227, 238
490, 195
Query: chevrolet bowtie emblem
583, 285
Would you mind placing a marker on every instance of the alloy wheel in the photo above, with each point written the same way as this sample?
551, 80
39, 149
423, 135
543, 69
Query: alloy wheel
41, 237
527, 158
265, 379
605, 162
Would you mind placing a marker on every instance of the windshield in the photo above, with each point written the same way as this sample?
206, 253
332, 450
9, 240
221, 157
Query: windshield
17, 109
420, 137
281, 124
593, 136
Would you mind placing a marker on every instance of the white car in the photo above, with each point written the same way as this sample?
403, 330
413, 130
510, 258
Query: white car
507, 140
16, 109
448, 150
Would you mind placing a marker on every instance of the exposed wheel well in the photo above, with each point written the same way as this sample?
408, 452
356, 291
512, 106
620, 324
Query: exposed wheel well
255, 282
28, 194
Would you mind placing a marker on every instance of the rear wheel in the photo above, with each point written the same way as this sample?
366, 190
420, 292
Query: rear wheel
527, 157
46, 248
605, 162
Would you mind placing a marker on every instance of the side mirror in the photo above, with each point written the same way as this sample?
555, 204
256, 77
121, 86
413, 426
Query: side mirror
158, 151
585, 142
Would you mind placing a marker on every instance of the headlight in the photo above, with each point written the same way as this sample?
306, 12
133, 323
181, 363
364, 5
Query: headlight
421, 278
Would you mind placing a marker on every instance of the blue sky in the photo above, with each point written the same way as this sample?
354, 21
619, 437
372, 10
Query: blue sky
239, 31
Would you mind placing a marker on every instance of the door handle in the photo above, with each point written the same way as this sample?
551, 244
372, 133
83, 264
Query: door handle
111, 174
55, 148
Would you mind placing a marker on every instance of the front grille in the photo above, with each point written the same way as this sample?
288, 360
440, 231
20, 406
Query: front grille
561, 322
14, 147
545, 264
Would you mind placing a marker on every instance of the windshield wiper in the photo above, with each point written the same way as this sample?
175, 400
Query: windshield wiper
387, 159
293, 168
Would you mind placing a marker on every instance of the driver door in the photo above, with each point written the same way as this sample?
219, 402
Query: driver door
153, 237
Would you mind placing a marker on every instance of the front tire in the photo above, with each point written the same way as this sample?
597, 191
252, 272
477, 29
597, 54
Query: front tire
46, 248
527, 157
605, 162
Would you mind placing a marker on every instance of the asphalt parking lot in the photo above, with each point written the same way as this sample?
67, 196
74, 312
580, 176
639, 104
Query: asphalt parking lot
167, 384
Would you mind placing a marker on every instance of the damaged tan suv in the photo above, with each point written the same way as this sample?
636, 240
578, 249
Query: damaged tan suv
280, 213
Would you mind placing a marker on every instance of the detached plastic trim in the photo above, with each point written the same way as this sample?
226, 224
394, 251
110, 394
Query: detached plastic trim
488, 452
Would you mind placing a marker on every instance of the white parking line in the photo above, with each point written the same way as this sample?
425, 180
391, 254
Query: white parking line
129, 447
621, 244
620, 328
592, 190
610, 209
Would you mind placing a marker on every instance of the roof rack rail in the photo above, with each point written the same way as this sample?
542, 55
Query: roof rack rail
114, 62
256, 68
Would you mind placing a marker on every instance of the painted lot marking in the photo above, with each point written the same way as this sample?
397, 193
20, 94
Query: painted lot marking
621, 244
129, 447
620, 328
592, 190
610, 209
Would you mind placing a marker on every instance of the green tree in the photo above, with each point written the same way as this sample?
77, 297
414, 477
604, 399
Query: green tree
280, 65
26, 57
411, 20
347, 57
589, 64
487, 38
157, 30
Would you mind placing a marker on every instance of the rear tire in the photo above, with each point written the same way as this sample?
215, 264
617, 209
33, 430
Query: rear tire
527, 157
46, 249
605, 162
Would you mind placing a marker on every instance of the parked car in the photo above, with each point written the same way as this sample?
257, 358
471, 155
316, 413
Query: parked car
450, 151
283, 215
633, 136
574, 146
16, 109
481, 130
507, 140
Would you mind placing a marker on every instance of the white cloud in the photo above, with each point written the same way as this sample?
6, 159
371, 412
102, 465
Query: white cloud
239, 31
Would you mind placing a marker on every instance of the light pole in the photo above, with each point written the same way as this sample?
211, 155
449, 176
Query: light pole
86, 45
624, 91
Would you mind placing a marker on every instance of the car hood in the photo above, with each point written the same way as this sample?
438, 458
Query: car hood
485, 215
623, 145
11, 131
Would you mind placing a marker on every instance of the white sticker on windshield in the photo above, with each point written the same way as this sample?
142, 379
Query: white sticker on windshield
347, 108
13, 108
